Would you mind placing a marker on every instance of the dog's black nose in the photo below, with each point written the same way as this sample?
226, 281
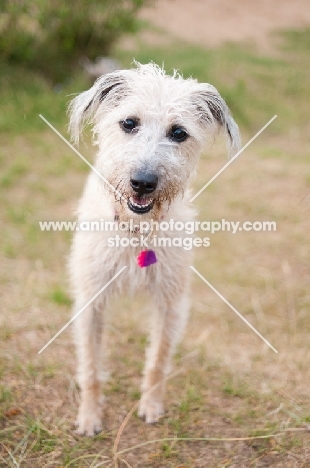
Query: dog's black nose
144, 182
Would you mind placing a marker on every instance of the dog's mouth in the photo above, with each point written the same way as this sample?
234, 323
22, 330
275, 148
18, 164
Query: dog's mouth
140, 205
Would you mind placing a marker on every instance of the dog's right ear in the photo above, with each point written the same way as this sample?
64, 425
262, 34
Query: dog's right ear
83, 109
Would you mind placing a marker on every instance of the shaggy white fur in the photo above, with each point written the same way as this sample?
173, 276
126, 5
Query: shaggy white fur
151, 129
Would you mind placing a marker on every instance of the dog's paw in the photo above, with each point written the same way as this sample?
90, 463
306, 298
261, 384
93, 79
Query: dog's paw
88, 423
150, 408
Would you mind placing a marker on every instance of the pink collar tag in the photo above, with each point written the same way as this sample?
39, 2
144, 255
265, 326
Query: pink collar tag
146, 258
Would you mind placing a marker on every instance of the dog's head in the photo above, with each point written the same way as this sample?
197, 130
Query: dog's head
151, 129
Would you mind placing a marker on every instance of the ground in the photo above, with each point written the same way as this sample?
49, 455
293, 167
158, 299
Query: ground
210, 23
249, 406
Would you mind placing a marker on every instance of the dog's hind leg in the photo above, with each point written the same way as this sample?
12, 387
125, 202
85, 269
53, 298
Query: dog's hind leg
169, 321
88, 337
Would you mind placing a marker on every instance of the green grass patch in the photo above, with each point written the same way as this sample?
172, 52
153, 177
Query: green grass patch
25, 95
5, 394
59, 296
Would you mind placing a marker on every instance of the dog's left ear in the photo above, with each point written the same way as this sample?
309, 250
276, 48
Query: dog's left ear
213, 110
107, 91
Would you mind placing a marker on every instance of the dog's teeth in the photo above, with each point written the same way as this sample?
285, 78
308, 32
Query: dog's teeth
141, 205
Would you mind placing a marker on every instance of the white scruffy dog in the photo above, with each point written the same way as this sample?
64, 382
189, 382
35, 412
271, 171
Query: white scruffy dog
150, 129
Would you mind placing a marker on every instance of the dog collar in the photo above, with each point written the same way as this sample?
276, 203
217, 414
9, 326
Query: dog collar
145, 258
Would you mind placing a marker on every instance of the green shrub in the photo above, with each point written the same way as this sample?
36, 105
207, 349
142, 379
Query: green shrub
51, 36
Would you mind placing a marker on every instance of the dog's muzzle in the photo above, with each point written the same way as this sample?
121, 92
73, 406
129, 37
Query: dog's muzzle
143, 183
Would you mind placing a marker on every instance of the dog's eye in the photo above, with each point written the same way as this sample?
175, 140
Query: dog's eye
128, 125
178, 134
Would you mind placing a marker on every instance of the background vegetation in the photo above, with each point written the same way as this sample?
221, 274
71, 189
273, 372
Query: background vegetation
51, 36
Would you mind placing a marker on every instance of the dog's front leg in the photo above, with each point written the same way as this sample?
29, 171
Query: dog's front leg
88, 337
169, 321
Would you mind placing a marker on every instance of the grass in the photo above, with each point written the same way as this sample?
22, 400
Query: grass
231, 386
59, 296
